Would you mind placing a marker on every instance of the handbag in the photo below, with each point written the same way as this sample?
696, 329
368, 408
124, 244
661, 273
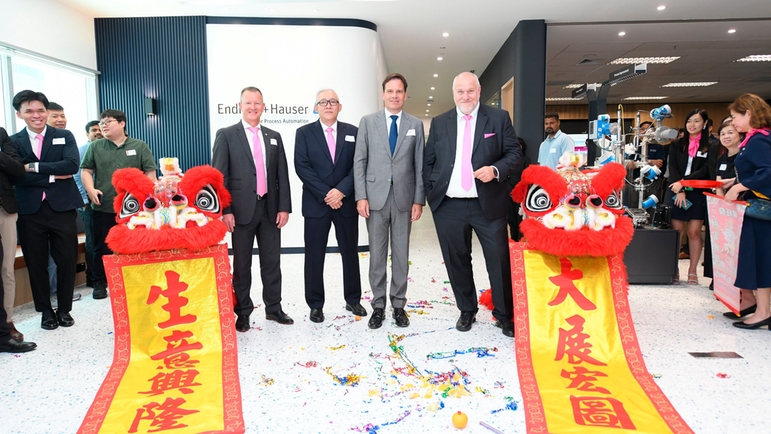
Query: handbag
759, 209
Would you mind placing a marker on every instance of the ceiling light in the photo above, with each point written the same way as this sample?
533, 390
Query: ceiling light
563, 99
621, 33
426, 114
439, 58
430, 97
756, 58
429, 104
643, 98
731, 30
661, 8
426, 110
433, 88
436, 75
633, 60
445, 34
691, 84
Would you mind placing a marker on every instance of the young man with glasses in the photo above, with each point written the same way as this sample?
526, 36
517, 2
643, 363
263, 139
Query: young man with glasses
103, 157
323, 160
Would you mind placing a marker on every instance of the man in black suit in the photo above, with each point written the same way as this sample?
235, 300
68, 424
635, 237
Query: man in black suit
10, 165
252, 160
47, 197
8, 343
323, 160
470, 152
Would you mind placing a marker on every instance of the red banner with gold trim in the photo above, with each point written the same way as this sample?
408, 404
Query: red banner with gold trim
175, 365
579, 362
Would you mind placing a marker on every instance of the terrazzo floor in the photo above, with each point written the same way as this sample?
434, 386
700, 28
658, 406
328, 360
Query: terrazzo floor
288, 372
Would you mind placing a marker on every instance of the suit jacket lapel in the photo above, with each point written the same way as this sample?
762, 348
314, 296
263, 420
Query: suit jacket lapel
48, 140
269, 149
319, 131
241, 133
479, 130
24, 136
452, 131
404, 128
341, 130
380, 127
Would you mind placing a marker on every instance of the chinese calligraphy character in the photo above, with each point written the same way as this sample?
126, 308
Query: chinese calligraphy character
600, 412
175, 356
163, 416
567, 287
175, 301
573, 343
583, 379
178, 379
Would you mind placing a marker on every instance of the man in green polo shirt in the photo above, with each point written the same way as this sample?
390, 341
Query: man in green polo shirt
115, 151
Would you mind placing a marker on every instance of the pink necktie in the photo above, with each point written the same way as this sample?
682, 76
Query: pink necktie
331, 143
262, 187
465, 166
38, 153
39, 150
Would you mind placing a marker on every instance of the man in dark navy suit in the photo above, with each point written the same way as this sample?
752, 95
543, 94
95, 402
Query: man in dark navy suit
47, 198
323, 160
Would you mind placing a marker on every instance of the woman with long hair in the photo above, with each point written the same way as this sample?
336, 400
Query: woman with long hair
689, 159
752, 116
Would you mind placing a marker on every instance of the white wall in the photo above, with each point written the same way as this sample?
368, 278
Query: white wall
50, 28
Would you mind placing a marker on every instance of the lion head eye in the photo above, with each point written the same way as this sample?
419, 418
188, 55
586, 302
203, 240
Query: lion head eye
594, 201
537, 199
130, 206
207, 200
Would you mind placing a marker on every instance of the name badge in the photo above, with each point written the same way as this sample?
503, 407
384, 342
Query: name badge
411, 132
701, 155
59, 141
274, 142
722, 167
350, 139
553, 150
131, 152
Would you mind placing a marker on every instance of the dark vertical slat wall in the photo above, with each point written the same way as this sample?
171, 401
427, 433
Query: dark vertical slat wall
162, 58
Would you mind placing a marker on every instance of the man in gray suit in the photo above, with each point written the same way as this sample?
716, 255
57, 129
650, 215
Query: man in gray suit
388, 184
252, 160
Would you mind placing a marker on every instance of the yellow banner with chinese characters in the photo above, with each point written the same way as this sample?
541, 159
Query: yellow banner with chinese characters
175, 366
580, 366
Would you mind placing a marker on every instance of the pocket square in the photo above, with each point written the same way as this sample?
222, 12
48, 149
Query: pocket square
487, 135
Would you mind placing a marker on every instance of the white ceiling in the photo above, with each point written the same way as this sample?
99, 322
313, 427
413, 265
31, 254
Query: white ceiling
411, 33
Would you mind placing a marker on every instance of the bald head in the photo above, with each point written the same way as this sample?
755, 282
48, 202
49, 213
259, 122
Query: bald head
466, 91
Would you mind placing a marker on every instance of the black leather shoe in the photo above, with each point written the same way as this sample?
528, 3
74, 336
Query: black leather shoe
14, 346
357, 309
65, 319
400, 316
317, 315
376, 320
757, 325
100, 290
49, 321
742, 312
507, 327
465, 321
242, 323
279, 317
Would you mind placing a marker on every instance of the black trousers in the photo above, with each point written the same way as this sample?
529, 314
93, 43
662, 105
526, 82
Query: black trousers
269, 244
103, 222
454, 221
59, 229
316, 237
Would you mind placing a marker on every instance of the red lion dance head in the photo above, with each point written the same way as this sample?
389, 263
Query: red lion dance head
571, 213
178, 212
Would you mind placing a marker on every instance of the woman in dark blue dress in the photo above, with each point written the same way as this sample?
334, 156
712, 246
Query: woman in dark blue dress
751, 115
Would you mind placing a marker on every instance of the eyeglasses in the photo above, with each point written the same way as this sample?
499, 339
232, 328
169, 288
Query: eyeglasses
326, 102
106, 122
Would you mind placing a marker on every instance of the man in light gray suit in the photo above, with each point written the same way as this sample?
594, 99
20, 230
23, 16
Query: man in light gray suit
388, 184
